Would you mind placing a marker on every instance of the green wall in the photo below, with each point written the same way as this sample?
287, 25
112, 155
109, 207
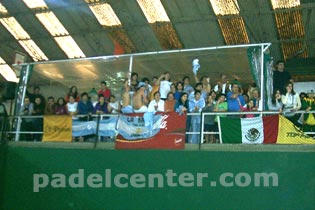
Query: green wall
295, 172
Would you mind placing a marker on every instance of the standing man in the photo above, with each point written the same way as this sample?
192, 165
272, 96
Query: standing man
105, 91
281, 77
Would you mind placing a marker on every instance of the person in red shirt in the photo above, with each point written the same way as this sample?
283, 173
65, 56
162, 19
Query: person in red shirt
105, 91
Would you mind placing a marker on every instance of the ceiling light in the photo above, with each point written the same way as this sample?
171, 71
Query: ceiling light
225, 7
282, 4
105, 14
32, 4
52, 24
14, 28
7, 72
153, 10
69, 46
3, 10
33, 50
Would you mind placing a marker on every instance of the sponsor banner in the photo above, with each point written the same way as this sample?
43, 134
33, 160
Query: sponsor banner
57, 128
75, 178
148, 130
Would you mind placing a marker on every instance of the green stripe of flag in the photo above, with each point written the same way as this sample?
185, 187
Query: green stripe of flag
231, 130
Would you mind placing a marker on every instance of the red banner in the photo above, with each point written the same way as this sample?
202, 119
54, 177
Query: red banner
170, 136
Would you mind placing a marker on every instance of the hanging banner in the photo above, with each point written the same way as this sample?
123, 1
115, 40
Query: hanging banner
148, 130
58, 128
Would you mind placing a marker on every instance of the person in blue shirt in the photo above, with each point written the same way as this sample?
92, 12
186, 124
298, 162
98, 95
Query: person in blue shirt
85, 106
235, 98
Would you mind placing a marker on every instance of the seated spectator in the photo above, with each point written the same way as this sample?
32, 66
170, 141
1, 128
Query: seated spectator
274, 103
61, 107
169, 103
73, 91
156, 105
195, 106
50, 106
140, 100
291, 103
72, 107
85, 106
105, 91
182, 105
101, 106
113, 106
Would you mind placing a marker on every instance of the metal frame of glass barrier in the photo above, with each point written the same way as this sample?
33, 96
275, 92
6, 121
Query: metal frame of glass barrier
28, 66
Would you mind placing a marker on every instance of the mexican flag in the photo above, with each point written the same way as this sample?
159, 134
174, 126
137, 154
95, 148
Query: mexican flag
273, 129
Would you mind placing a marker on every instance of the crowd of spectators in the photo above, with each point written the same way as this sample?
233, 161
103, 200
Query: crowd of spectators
165, 95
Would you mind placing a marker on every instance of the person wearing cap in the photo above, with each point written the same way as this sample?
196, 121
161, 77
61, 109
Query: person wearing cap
308, 104
281, 77
140, 100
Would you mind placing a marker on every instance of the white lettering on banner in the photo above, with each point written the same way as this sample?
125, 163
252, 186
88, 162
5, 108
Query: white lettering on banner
164, 121
155, 180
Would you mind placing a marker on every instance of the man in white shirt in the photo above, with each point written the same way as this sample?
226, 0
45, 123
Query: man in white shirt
222, 86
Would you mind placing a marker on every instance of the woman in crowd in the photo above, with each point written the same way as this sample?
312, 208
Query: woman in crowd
156, 105
169, 103
182, 105
73, 91
179, 90
291, 103
134, 82
113, 106
50, 106
72, 107
101, 106
61, 107
275, 104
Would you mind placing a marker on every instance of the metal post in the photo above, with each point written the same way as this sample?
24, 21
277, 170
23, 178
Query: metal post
262, 80
18, 127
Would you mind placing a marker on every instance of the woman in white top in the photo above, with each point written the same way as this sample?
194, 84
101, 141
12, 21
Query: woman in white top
156, 105
291, 103
165, 85
72, 106
113, 106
